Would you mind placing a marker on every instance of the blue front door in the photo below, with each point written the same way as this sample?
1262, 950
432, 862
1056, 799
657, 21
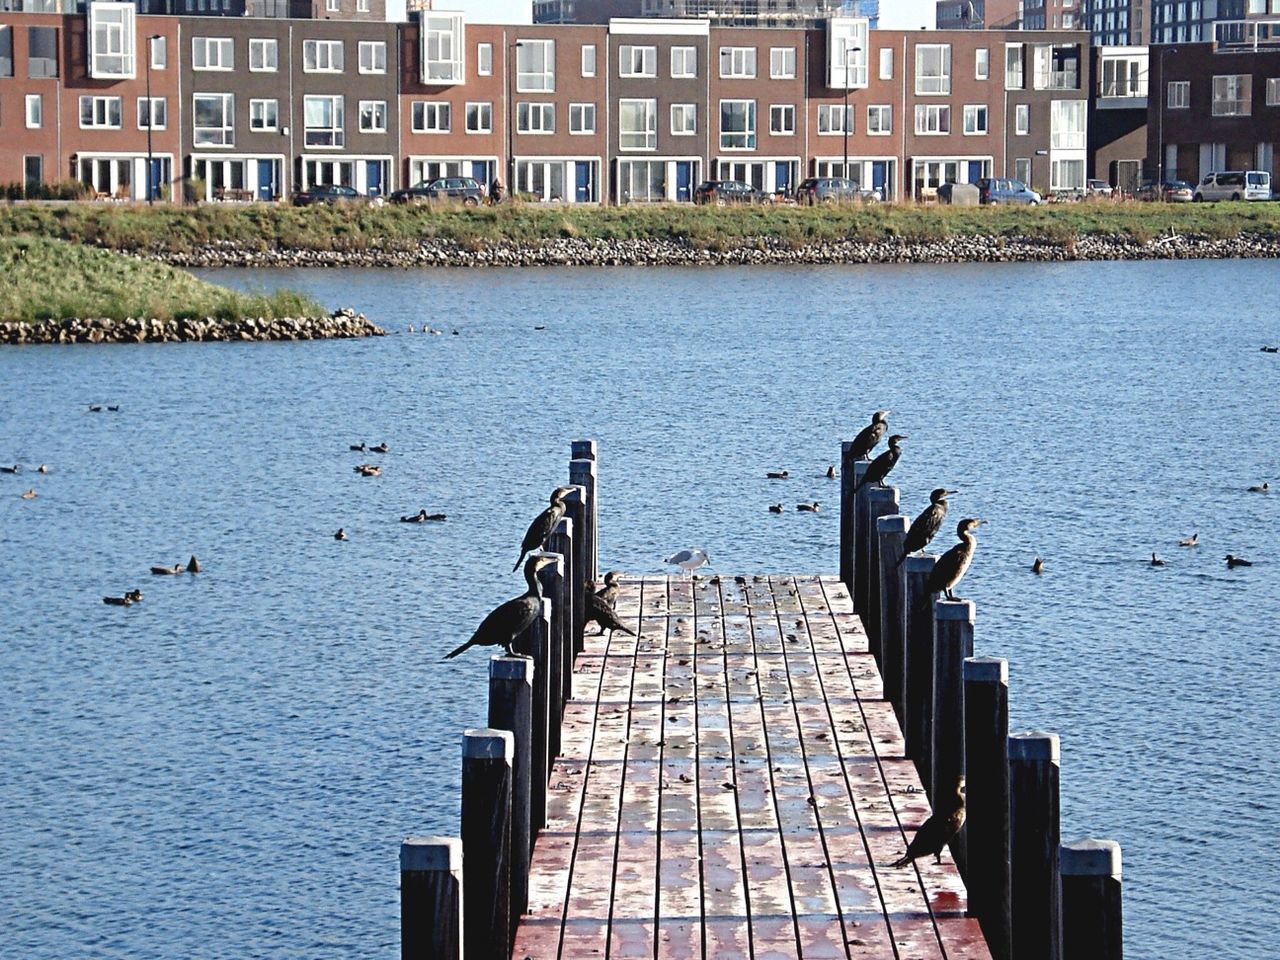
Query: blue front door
782, 177
156, 179
373, 178
582, 194
879, 173
480, 172
684, 174
975, 171
266, 180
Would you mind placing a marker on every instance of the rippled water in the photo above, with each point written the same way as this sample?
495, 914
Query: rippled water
227, 768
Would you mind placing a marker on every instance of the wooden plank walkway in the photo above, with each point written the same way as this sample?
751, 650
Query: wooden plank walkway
732, 783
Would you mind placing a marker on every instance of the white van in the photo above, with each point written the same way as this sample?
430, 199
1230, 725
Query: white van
1235, 185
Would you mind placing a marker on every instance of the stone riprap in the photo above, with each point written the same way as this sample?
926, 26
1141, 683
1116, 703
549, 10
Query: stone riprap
341, 324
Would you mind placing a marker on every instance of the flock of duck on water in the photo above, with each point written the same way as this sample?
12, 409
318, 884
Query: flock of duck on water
374, 470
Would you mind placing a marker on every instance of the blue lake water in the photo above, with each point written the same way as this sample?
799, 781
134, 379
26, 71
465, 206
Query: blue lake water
227, 768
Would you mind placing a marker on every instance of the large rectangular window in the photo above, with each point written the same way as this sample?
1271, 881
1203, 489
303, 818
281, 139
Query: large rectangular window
1067, 124
879, 120
636, 61
42, 52
782, 63
431, 116
933, 68
834, 118
782, 119
159, 53
153, 113
213, 120
111, 40
100, 113
1233, 95
933, 119
1066, 175
1123, 77
975, 119
1014, 75
479, 118
443, 43
684, 63
1057, 67
536, 66
264, 115
582, 118
1021, 119
212, 53
264, 55
537, 118
738, 62
373, 56
323, 56
737, 124
637, 124
324, 119
684, 119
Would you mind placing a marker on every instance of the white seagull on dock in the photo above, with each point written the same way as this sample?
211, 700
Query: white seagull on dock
688, 560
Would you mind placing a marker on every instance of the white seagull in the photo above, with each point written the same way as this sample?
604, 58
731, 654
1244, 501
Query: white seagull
688, 560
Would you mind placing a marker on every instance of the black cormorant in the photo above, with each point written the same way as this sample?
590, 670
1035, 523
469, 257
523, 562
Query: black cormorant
535, 538
609, 592
1156, 561
882, 464
868, 437
599, 606
508, 620
1234, 561
951, 566
939, 830
926, 526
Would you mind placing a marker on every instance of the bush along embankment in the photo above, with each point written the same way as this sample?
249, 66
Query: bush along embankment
60, 292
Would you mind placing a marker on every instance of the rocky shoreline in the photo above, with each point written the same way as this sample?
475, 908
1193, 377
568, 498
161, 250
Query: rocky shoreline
343, 323
762, 250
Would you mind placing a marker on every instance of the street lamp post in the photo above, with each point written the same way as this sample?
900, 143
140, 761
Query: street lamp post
151, 122
1161, 93
844, 121
511, 125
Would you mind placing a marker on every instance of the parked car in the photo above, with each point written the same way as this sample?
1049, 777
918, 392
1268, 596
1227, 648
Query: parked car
833, 190
721, 192
1234, 185
1098, 188
328, 193
464, 189
1171, 191
1005, 190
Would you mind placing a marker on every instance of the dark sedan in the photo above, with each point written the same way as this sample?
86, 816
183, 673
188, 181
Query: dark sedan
463, 189
1171, 191
328, 193
722, 192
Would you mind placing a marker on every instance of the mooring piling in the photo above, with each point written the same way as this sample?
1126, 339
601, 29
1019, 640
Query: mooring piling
511, 709
952, 643
1034, 845
881, 502
576, 512
891, 532
487, 757
537, 642
986, 731
431, 898
555, 589
1092, 922
861, 542
583, 473
847, 524
918, 707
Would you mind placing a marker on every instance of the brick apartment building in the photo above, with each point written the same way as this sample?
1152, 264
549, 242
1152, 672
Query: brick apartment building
630, 111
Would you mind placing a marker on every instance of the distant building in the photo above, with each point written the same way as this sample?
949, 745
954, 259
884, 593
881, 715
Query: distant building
1118, 115
274, 9
721, 13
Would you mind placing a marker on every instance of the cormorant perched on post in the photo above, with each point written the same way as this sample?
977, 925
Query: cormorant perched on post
535, 538
868, 437
951, 566
882, 464
939, 830
508, 620
926, 526
599, 606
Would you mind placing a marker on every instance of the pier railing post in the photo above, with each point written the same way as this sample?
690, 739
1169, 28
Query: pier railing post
575, 510
537, 641
486, 841
847, 481
881, 502
555, 587
986, 733
582, 473
952, 644
918, 705
1092, 920
1033, 845
891, 532
511, 708
861, 541
431, 898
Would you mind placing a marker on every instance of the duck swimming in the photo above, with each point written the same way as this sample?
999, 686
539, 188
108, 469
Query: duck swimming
808, 507
167, 571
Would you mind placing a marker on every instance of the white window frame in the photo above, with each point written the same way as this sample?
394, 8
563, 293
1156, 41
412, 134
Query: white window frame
149, 107
484, 59
684, 119
371, 56
832, 118
782, 63
1273, 91
226, 132
684, 63
1056, 167
782, 119
645, 137
535, 119
737, 63
886, 63
635, 60
1233, 96
335, 131
265, 51
1015, 67
34, 111
1068, 124
588, 59
933, 84
332, 6
264, 115
362, 106
582, 119
431, 116
531, 77
933, 119
982, 63
444, 45
1021, 119
882, 124
1178, 95
740, 139
973, 113
100, 110
362, 6
112, 33
323, 56
482, 110
213, 54
158, 52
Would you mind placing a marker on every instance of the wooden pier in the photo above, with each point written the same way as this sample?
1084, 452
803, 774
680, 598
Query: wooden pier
733, 781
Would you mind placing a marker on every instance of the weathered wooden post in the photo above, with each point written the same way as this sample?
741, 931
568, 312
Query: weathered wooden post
861, 540
575, 510
486, 841
891, 532
581, 472
536, 640
1033, 845
555, 588
881, 502
847, 482
431, 898
511, 708
952, 644
986, 734
918, 705
1092, 914
563, 542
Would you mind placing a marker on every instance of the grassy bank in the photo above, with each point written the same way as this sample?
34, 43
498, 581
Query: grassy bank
47, 278
179, 229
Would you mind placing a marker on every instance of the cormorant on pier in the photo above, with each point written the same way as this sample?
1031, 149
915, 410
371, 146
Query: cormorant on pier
1191, 541
926, 526
882, 464
1156, 561
939, 830
688, 560
1234, 561
508, 620
535, 538
1038, 566
609, 592
868, 437
775, 508
599, 606
951, 566
1264, 488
